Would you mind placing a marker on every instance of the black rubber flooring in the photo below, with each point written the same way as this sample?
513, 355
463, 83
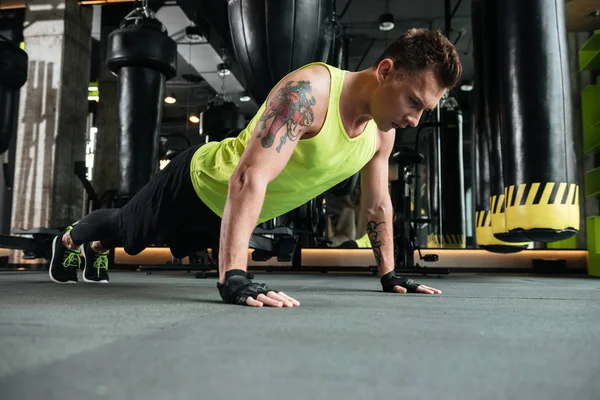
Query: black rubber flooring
169, 336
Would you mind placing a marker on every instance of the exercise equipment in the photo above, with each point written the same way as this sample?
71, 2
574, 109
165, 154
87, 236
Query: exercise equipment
445, 169
453, 218
540, 181
13, 75
271, 38
482, 142
404, 233
35, 242
143, 57
489, 33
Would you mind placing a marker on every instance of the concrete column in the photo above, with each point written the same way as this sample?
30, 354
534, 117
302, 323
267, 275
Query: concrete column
104, 176
52, 114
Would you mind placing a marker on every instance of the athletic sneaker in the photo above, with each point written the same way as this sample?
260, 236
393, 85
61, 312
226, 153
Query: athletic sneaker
95, 269
65, 262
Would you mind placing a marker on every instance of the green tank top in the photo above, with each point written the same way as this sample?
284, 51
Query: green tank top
316, 165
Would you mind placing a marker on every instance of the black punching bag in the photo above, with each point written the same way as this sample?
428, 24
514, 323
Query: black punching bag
434, 239
490, 63
271, 38
482, 144
542, 193
13, 75
452, 178
143, 57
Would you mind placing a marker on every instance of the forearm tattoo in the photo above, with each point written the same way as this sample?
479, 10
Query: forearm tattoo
291, 107
374, 232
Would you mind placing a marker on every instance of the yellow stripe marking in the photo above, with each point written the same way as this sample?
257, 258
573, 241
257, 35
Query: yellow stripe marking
561, 192
532, 193
547, 192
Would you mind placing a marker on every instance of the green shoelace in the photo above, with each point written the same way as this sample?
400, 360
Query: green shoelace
101, 262
71, 259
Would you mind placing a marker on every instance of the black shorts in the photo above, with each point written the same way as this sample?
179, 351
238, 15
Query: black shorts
168, 212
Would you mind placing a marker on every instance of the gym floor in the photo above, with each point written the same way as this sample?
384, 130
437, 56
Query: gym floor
169, 336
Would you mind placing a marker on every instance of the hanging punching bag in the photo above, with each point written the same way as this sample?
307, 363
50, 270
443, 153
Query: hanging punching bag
483, 217
492, 125
542, 193
434, 239
143, 57
13, 75
452, 178
271, 38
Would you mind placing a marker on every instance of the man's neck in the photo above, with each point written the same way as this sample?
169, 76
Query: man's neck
356, 101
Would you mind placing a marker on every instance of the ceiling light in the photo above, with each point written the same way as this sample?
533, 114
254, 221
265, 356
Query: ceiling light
466, 86
386, 22
194, 119
223, 70
171, 99
194, 34
245, 96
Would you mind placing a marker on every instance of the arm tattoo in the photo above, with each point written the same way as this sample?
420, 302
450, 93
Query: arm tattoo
373, 232
291, 107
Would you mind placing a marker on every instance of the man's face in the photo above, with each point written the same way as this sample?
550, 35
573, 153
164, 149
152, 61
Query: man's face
399, 102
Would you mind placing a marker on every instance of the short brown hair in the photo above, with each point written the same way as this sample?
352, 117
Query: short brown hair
419, 49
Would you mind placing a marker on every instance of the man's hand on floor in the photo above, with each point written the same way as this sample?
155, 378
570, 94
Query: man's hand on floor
272, 299
391, 282
420, 289
238, 289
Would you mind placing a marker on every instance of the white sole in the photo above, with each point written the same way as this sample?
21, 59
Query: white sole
52, 261
84, 267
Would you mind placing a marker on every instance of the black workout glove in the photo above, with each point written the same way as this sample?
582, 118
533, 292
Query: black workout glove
390, 280
237, 287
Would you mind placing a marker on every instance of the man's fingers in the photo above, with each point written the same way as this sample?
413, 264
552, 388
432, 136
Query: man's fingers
272, 299
428, 290
285, 296
421, 289
275, 296
399, 289
253, 302
268, 301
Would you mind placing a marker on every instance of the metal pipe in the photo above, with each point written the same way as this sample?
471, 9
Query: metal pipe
447, 17
455, 8
344, 10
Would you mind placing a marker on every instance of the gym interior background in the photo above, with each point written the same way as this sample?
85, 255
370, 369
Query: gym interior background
67, 152
505, 222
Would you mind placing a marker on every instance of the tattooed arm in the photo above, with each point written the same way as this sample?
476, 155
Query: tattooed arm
296, 107
377, 204
377, 209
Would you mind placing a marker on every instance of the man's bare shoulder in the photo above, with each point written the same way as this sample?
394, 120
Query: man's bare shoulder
318, 78
306, 91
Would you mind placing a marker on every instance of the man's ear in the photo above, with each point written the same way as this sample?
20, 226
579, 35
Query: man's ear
385, 69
